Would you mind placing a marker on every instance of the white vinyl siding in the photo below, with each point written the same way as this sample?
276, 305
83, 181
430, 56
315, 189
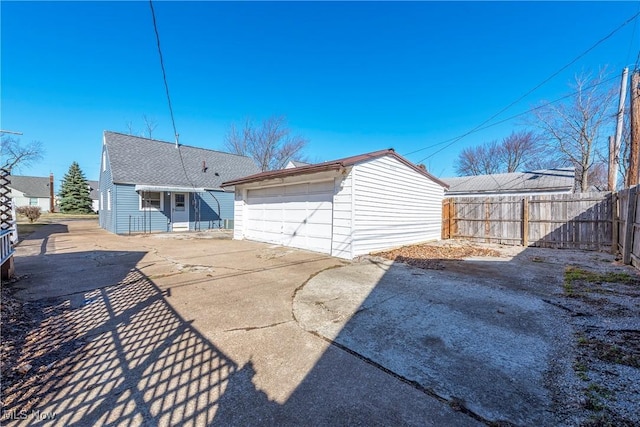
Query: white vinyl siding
394, 205
297, 215
343, 217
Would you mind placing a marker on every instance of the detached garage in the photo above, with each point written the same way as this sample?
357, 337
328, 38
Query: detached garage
345, 208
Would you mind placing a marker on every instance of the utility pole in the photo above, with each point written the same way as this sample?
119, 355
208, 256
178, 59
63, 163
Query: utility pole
613, 170
613, 163
632, 174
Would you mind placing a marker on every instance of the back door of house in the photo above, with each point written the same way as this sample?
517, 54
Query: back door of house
179, 211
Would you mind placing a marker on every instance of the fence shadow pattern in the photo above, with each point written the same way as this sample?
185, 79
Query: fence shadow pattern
133, 361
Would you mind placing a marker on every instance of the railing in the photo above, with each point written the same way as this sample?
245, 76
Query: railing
6, 248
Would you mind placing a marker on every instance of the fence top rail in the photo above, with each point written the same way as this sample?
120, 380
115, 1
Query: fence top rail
5, 232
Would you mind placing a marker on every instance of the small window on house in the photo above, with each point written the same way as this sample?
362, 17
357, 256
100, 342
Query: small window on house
151, 200
104, 161
33, 201
101, 200
108, 200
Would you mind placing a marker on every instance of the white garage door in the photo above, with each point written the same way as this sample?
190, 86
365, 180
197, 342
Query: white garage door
298, 215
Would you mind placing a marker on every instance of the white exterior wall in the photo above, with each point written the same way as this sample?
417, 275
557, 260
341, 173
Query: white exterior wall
343, 217
239, 213
19, 199
393, 205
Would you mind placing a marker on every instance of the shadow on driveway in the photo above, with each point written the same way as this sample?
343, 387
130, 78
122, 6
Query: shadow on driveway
125, 357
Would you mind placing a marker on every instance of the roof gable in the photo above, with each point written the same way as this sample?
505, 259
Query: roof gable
136, 160
31, 186
541, 180
332, 165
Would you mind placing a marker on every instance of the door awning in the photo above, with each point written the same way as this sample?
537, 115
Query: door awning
162, 188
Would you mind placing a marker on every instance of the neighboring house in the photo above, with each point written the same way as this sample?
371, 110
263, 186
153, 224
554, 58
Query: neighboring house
295, 164
151, 185
345, 208
94, 193
32, 191
535, 183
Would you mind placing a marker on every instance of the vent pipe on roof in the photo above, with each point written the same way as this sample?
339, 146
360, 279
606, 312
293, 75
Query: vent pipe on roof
204, 166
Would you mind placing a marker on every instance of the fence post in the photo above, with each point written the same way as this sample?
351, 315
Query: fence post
446, 222
452, 219
614, 223
630, 225
525, 222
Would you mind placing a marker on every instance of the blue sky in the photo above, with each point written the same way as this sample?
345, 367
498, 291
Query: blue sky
350, 77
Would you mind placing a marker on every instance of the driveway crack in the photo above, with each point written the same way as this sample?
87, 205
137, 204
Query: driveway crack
253, 328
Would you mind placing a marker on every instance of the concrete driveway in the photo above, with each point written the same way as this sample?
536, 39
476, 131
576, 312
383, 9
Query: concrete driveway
149, 330
469, 339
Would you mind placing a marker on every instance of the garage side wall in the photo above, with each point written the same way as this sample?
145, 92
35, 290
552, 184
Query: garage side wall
394, 205
342, 217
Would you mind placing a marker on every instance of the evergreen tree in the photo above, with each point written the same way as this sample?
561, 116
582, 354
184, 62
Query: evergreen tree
74, 194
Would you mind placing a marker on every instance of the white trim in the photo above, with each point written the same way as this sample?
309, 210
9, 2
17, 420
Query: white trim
151, 208
109, 200
168, 188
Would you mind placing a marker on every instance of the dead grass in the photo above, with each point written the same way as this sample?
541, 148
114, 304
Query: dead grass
430, 256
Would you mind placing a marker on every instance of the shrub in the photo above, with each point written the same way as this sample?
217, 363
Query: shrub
31, 212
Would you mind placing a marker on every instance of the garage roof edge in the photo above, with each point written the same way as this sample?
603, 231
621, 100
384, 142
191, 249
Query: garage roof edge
332, 165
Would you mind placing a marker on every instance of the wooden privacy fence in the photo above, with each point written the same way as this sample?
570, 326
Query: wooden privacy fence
578, 221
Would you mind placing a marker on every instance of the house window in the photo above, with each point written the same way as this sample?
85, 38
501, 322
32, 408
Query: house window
101, 200
104, 161
151, 200
33, 201
108, 200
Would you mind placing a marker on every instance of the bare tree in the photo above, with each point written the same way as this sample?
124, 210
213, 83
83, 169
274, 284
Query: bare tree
15, 155
515, 152
270, 145
150, 125
572, 130
519, 150
479, 160
129, 126
599, 176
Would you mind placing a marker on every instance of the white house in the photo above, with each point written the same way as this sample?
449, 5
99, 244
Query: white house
32, 191
345, 208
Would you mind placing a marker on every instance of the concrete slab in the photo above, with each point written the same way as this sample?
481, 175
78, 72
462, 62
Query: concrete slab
150, 330
472, 340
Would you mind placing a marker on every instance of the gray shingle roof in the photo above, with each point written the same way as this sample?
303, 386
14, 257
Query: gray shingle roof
561, 179
93, 191
31, 186
136, 160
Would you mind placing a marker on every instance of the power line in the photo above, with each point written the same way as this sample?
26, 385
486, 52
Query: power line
452, 141
580, 56
164, 74
166, 86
